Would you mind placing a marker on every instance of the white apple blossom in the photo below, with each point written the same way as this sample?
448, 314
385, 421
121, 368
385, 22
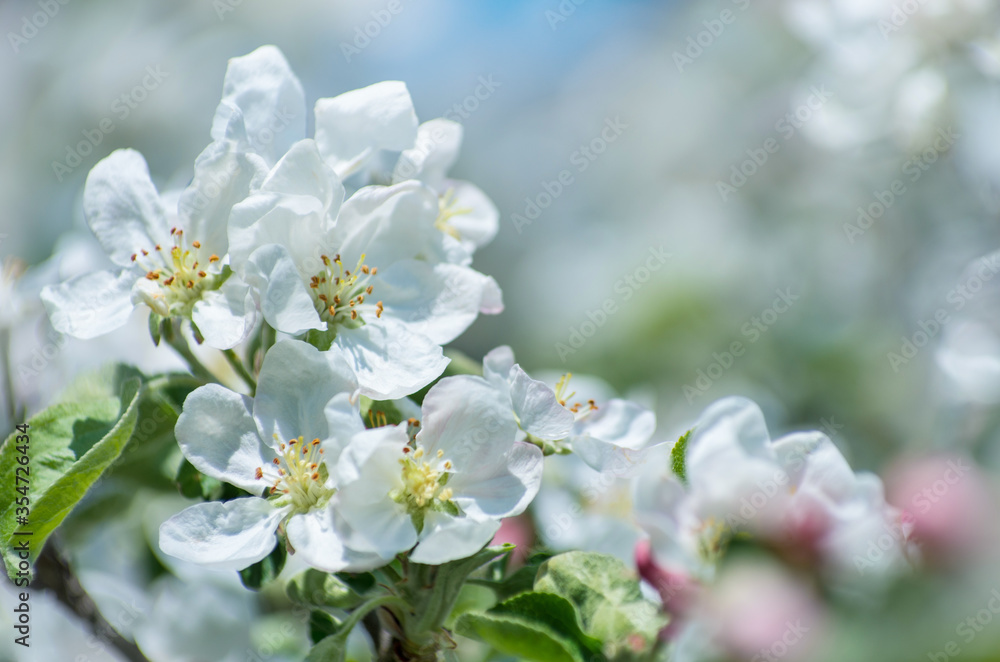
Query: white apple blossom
174, 263
283, 444
797, 490
443, 490
367, 276
605, 435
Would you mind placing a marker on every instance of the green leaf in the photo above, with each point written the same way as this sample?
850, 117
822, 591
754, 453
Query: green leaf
607, 596
677, 457
321, 626
195, 485
265, 570
316, 588
155, 328
71, 445
525, 640
557, 613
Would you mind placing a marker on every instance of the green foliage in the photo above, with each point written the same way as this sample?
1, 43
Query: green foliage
607, 597
72, 444
678, 458
266, 570
315, 588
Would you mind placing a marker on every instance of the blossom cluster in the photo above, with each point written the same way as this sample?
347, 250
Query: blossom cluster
340, 265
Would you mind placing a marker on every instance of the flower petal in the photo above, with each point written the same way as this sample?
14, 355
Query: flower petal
296, 383
122, 206
284, 300
470, 421
223, 176
537, 408
226, 536
367, 472
498, 363
503, 488
619, 422
390, 360
317, 540
90, 305
261, 88
434, 152
351, 127
226, 316
439, 301
479, 225
217, 434
302, 172
446, 538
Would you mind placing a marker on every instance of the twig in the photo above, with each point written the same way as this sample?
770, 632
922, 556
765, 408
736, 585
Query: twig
54, 574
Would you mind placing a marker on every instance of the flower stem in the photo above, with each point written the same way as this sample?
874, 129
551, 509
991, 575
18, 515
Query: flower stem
176, 340
241, 370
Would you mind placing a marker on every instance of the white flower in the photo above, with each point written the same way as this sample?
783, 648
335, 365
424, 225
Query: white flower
444, 489
465, 213
796, 491
178, 269
612, 434
373, 283
283, 443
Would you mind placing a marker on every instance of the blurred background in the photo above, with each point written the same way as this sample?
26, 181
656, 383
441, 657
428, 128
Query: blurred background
783, 199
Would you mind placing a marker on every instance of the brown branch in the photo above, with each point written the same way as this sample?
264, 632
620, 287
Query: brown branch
53, 573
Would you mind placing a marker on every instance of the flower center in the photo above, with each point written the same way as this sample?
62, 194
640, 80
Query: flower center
178, 277
298, 473
339, 294
448, 209
579, 409
424, 480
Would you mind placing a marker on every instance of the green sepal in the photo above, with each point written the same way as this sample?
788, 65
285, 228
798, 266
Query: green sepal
678, 458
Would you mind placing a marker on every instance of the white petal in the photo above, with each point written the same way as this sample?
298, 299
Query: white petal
502, 489
223, 176
470, 421
296, 383
446, 538
226, 536
217, 434
814, 464
367, 472
226, 316
618, 422
316, 540
352, 126
733, 427
285, 301
390, 361
480, 224
432, 155
537, 408
439, 301
298, 223
498, 363
90, 305
390, 223
261, 88
123, 208
602, 456
302, 172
